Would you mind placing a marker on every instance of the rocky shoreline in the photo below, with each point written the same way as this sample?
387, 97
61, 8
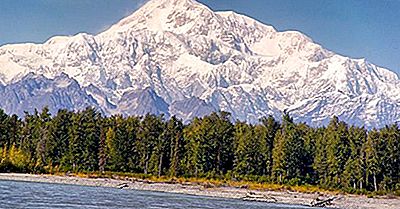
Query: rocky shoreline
285, 197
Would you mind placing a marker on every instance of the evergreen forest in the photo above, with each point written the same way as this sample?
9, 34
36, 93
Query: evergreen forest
337, 156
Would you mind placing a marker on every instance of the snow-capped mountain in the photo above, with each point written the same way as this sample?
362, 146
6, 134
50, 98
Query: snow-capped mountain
178, 57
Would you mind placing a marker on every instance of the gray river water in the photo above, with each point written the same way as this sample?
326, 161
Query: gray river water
15, 194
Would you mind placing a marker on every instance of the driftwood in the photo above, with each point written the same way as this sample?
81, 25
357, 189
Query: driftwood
322, 202
122, 186
252, 196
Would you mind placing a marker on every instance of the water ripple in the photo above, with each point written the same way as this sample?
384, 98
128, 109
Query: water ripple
15, 194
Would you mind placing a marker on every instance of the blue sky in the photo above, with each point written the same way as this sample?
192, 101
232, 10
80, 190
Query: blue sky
355, 28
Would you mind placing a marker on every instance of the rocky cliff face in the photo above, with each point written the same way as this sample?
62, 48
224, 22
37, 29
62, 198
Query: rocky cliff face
178, 57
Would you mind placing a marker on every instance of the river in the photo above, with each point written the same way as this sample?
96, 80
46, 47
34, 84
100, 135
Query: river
14, 194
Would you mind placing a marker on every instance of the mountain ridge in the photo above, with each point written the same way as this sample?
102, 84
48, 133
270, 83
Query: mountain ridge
182, 52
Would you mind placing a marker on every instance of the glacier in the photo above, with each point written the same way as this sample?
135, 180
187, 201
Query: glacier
178, 57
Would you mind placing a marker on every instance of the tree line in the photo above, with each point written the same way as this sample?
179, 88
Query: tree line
337, 156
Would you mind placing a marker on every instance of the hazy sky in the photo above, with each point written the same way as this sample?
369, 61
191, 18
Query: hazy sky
355, 28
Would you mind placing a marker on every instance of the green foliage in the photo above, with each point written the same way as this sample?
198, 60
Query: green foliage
243, 149
289, 155
150, 143
337, 151
193, 139
13, 160
333, 157
58, 141
174, 146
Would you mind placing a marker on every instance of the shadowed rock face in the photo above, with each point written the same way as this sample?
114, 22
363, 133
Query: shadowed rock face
178, 57
142, 102
189, 108
36, 91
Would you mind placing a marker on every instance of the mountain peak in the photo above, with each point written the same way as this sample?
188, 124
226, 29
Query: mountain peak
163, 15
191, 60
172, 2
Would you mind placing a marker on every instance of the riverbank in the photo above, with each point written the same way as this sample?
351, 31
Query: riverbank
285, 197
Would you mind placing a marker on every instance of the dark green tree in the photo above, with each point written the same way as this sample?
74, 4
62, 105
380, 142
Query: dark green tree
150, 143
337, 151
58, 142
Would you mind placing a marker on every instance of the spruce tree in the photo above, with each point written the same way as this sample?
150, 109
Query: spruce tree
242, 149
58, 142
320, 165
338, 151
149, 134
271, 128
192, 162
173, 149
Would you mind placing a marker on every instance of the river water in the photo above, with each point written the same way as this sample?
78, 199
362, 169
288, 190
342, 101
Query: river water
15, 194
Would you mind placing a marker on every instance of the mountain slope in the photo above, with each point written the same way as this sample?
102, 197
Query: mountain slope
36, 91
180, 57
